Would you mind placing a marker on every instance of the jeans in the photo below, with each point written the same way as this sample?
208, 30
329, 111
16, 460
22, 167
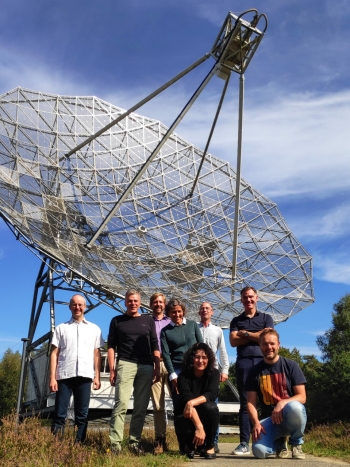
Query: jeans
174, 395
292, 425
216, 439
243, 367
80, 388
129, 375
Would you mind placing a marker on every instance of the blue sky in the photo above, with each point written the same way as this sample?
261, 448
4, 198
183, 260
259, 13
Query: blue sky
296, 121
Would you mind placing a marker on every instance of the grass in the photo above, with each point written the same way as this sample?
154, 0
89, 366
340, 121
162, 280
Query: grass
32, 445
331, 440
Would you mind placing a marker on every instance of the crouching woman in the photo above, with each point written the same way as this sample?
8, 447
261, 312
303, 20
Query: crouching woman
196, 414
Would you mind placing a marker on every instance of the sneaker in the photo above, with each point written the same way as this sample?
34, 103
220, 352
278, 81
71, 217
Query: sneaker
159, 445
136, 449
116, 449
297, 452
216, 448
241, 449
282, 448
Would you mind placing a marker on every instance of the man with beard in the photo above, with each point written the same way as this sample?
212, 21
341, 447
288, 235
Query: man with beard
280, 385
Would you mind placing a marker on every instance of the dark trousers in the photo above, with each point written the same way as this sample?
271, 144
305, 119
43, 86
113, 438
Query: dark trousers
80, 388
184, 428
243, 367
174, 395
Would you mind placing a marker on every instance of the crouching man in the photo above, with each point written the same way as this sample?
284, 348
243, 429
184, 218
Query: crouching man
280, 385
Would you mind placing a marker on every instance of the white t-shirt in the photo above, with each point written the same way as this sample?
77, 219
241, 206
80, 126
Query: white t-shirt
76, 342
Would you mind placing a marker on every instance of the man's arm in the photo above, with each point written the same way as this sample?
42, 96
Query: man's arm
239, 338
253, 415
111, 363
299, 395
223, 357
96, 384
236, 340
53, 366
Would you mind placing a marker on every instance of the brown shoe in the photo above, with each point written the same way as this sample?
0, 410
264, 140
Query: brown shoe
159, 445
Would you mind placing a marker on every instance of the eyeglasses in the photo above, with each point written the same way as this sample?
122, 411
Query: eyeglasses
200, 357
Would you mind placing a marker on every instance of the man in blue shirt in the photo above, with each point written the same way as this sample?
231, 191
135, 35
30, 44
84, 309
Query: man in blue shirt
245, 331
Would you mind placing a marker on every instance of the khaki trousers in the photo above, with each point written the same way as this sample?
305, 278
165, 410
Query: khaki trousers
130, 375
158, 400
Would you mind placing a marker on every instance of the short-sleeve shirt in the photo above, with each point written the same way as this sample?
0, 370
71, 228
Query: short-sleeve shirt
76, 342
258, 322
274, 382
134, 337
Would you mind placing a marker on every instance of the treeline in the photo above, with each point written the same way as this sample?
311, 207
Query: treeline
10, 369
328, 379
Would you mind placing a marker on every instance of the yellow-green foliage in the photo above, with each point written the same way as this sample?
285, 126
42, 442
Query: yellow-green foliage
32, 445
329, 440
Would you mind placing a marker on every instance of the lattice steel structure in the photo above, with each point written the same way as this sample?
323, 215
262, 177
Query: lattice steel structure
160, 238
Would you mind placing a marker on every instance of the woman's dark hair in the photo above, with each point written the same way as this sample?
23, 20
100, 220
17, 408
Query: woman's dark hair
187, 363
173, 302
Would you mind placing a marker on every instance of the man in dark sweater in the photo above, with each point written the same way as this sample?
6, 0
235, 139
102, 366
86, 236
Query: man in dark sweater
245, 330
134, 336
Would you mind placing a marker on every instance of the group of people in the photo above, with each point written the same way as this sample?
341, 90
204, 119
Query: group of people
149, 353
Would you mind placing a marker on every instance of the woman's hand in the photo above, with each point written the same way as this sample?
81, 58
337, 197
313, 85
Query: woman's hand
199, 436
174, 383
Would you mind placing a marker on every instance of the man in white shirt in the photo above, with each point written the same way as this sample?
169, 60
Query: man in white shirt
75, 362
214, 337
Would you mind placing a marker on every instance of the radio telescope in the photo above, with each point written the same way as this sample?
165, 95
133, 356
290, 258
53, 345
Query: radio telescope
113, 200
160, 238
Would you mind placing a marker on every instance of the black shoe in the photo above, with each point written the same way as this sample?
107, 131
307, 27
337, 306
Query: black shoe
216, 448
210, 455
136, 449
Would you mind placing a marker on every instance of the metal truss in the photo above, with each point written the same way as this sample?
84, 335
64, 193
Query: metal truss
160, 238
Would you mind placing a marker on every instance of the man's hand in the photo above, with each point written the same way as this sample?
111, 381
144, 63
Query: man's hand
156, 376
223, 377
113, 377
174, 384
199, 436
256, 431
96, 384
277, 414
241, 334
53, 385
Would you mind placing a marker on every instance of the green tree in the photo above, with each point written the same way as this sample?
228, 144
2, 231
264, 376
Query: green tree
331, 380
337, 339
293, 354
10, 369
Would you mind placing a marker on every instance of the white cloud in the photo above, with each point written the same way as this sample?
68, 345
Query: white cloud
31, 73
334, 268
292, 144
332, 225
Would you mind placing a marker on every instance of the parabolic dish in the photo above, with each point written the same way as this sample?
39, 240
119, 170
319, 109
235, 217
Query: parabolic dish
159, 239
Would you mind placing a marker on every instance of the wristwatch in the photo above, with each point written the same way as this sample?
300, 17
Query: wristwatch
246, 334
